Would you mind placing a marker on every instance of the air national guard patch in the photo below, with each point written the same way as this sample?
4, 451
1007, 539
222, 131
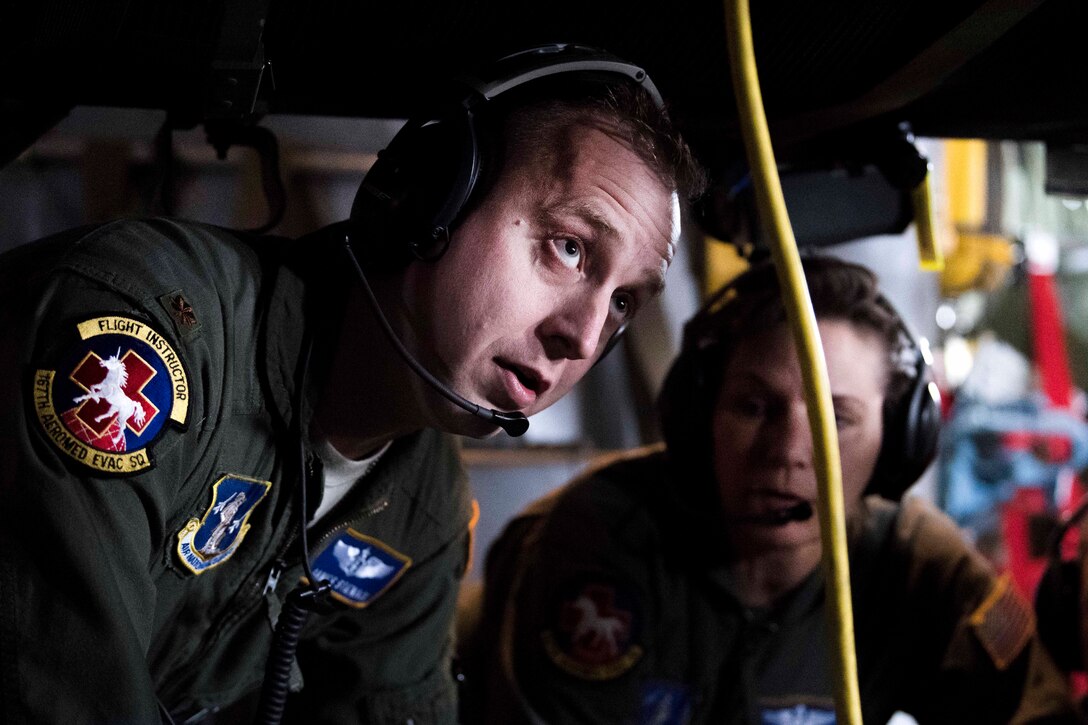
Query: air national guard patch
595, 634
112, 395
209, 541
359, 567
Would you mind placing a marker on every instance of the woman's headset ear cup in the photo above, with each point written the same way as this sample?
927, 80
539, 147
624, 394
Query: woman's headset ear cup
911, 432
675, 401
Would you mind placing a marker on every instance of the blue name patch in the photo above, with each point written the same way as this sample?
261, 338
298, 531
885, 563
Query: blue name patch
211, 540
798, 715
665, 703
359, 568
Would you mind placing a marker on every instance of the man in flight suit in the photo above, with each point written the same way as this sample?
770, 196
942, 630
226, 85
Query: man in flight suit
174, 392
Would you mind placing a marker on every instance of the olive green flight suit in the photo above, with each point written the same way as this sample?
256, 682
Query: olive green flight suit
108, 604
605, 608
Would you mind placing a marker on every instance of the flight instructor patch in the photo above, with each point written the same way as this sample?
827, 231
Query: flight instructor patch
111, 395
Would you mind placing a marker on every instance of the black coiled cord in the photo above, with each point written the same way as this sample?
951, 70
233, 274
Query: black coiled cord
303, 600
300, 604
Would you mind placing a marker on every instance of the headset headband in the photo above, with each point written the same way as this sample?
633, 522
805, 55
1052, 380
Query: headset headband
424, 180
526, 67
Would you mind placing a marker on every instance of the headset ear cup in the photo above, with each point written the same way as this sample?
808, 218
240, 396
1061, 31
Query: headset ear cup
686, 410
909, 445
911, 428
1058, 615
403, 207
674, 402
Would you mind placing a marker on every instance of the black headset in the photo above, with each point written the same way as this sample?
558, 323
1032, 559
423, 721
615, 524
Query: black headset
440, 163
687, 398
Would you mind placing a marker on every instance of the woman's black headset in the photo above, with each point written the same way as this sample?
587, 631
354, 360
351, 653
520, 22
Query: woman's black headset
441, 162
911, 421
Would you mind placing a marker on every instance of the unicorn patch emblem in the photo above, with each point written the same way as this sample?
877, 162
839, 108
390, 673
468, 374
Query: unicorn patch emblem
211, 540
113, 394
596, 630
121, 408
359, 567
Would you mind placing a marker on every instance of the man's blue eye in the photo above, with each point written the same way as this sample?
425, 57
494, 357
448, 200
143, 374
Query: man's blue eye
569, 251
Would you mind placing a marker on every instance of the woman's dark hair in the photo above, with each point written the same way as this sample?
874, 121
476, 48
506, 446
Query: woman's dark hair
752, 303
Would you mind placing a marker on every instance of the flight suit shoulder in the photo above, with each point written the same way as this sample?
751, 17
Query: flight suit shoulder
146, 259
437, 486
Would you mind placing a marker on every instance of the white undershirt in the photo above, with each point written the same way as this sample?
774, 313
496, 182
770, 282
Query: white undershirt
341, 474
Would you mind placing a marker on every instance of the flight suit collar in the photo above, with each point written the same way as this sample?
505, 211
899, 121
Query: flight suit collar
796, 605
305, 308
809, 594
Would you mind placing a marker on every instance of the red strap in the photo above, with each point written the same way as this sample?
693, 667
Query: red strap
1048, 339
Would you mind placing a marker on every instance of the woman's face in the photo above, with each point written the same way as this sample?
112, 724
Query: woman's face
762, 441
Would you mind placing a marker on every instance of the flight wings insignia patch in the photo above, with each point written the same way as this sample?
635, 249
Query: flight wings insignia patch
111, 395
359, 568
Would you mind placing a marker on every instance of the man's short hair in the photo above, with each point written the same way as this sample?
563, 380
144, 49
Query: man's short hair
421, 187
540, 119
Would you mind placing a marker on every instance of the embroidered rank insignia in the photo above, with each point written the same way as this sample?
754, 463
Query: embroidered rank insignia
112, 395
182, 313
211, 540
797, 715
665, 703
359, 567
594, 637
1003, 623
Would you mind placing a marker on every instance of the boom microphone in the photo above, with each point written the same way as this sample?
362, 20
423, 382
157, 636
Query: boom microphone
515, 424
800, 511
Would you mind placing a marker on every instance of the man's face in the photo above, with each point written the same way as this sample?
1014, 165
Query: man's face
762, 440
564, 249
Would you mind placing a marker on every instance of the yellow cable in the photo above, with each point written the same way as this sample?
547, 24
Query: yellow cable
802, 321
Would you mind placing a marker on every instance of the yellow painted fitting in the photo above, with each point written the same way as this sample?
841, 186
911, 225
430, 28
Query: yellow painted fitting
930, 257
723, 263
965, 174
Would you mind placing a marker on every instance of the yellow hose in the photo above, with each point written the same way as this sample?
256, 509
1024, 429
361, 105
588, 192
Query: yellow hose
806, 336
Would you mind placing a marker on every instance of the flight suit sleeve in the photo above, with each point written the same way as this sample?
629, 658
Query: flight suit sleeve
574, 638
979, 658
390, 662
77, 602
